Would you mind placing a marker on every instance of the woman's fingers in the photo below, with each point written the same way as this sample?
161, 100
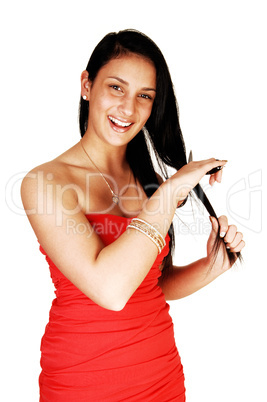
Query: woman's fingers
223, 222
236, 241
201, 168
189, 176
238, 248
215, 177
210, 164
231, 234
232, 238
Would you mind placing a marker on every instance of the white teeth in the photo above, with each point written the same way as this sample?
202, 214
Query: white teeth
118, 122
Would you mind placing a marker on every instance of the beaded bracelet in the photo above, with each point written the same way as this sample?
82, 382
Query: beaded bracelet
149, 230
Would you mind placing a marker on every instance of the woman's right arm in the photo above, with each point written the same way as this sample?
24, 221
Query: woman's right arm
108, 275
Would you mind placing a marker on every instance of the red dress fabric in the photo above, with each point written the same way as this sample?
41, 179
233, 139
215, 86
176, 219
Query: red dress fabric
89, 353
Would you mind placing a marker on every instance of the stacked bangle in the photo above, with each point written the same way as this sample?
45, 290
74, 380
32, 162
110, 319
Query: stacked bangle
149, 230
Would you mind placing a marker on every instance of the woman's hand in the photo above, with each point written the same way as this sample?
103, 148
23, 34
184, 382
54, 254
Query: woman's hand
190, 175
184, 281
232, 238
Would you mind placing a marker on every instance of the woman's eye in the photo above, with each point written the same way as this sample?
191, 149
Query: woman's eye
116, 87
144, 96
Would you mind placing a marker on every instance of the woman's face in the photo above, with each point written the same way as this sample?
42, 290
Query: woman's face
121, 99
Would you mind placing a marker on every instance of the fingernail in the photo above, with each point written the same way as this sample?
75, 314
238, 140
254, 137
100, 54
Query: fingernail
222, 234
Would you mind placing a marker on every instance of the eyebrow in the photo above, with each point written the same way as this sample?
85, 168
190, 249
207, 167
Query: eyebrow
127, 83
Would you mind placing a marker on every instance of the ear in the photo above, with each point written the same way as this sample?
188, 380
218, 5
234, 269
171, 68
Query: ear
85, 85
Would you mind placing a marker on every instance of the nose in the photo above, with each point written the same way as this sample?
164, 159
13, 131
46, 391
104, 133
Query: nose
127, 106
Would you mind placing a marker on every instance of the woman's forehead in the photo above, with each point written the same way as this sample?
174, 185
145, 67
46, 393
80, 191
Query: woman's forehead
129, 67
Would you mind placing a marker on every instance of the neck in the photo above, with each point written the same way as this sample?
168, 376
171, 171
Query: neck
107, 157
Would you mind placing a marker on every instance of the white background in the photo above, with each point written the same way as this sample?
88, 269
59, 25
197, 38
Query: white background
216, 52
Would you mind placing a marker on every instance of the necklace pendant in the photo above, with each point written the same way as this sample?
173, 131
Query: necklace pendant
115, 199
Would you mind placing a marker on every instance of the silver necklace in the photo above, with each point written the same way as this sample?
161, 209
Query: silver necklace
115, 197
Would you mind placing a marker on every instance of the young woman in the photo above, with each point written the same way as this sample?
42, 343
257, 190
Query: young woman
103, 218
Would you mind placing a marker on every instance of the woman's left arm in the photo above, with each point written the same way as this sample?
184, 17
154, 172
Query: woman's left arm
183, 281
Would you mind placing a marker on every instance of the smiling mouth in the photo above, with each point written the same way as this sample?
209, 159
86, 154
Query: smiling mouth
119, 123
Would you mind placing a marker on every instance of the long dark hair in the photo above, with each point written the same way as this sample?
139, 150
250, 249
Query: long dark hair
162, 130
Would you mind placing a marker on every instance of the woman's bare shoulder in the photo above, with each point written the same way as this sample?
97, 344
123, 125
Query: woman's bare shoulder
52, 172
57, 172
58, 169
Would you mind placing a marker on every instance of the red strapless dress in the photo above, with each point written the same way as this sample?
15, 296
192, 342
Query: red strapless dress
91, 354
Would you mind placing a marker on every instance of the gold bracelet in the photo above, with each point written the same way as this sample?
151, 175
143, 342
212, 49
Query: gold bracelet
149, 230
